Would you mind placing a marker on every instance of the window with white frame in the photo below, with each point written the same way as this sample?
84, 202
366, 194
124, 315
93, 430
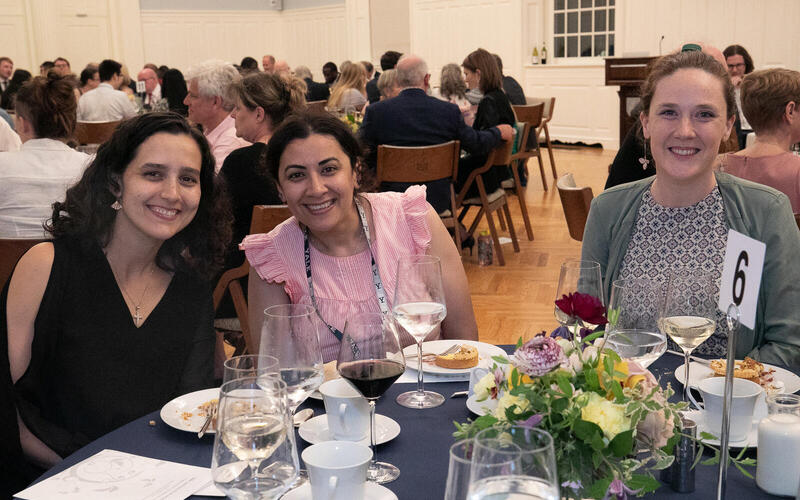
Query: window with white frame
583, 28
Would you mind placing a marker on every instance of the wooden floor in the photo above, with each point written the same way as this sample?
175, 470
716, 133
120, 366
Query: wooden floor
516, 300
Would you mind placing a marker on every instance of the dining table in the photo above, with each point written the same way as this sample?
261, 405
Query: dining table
421, 450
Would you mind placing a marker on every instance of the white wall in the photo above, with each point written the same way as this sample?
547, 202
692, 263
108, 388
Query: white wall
441, 31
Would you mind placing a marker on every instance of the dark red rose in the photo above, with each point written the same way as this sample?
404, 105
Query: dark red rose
583, 306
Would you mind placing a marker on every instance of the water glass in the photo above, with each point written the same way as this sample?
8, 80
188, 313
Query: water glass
513, 461
249, 365
457, 486
254, 452
632, 330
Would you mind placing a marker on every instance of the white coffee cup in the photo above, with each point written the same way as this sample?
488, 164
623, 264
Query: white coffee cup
745, 395
347, 409
337, 470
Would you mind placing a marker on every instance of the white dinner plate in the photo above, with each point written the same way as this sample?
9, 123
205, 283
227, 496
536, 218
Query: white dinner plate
697, 372
316, 395
485, 353
183, 412
698, 417
373, 491
315, 430
481, 408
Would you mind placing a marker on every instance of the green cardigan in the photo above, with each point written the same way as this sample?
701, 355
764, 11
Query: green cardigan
752, 209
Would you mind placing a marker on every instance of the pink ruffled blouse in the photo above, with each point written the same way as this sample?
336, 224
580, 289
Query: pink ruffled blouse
343, 285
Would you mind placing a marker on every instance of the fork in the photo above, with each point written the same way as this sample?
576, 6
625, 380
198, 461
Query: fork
450, 350
212, 414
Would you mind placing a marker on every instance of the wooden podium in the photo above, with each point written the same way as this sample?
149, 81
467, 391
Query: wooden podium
628, 73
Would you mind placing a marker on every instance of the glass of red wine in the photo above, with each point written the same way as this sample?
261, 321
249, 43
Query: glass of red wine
371, 359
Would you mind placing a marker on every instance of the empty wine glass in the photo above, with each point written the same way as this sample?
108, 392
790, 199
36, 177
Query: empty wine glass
419, 306
689, 313
515, 462
632, 330
582, 276
291, 334
254, 453
371, 359
249, 365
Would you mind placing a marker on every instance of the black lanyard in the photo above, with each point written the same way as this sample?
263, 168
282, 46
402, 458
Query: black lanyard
376, 277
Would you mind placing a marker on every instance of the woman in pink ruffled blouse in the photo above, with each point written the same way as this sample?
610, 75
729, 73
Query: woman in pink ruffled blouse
315, 160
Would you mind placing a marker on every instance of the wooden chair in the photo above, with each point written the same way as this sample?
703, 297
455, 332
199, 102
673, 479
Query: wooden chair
265, 218
94, 132
549, 104
10, 252
501, 155
797, 220
576, 201
421, 164
316, 106
531, 116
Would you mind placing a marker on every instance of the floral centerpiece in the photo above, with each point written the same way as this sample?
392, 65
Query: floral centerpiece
611, 422
352, 119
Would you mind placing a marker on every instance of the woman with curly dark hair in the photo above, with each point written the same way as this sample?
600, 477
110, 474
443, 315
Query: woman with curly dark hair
113, 318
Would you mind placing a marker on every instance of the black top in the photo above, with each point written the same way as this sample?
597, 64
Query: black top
514, 91
316, 91
248, 184
626, 166
494, 109
373, 94
91, 369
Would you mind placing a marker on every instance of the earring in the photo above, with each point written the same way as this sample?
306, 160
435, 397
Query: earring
643, 160
116, 205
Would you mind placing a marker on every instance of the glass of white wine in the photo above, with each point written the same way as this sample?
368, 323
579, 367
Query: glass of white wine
515, 462
688, 314
254, 451
419, 306
632, 330
581, 276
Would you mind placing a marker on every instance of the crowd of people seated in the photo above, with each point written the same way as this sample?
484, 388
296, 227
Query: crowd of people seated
136, 235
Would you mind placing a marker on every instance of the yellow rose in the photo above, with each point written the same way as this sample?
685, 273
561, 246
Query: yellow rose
610, 417
506, 401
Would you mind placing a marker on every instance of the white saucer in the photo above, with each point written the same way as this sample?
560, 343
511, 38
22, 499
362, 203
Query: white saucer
481, 408
316, 430
373, 491
698, 418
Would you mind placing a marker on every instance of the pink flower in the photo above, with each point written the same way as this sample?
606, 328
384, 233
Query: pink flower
583, 306
618, 491
539, 356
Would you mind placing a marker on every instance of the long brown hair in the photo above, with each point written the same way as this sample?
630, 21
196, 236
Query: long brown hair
481, 60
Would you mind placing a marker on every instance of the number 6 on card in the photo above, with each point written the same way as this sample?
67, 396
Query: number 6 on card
741, 276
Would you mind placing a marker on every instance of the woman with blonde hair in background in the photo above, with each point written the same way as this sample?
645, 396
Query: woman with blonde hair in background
350, 90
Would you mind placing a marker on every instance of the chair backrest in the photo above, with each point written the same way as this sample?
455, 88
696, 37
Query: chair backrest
94, 132
10, 252
266, 217
316, 106
418, 164
797, 220
549, 104
530, 113
576, 201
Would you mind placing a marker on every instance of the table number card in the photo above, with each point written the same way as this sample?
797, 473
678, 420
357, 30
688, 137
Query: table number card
741, 276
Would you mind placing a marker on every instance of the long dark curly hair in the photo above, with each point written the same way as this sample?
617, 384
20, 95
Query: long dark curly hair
86, 213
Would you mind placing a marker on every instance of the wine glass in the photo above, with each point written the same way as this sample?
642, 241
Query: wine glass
249, 365
581, 276
688, 314
419, 306
514, 462
291, 334
254, 455
371, 359
632, 330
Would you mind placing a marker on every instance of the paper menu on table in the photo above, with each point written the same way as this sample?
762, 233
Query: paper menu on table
119, 475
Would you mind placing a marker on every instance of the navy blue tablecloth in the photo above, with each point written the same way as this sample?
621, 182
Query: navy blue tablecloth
420, 451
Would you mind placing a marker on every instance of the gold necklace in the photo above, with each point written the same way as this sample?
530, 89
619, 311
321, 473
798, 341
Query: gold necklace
137, 315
